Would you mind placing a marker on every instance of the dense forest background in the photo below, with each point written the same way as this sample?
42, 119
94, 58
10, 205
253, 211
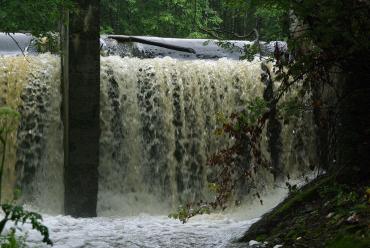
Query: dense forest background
194, 19
328, 46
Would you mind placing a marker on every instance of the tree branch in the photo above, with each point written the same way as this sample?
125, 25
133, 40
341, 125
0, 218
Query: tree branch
16, 42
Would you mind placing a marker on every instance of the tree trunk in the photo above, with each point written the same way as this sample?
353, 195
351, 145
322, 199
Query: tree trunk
81, 111
353, 127
273, 127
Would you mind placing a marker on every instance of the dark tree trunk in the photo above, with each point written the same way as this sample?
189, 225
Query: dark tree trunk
81, 113
353, 127
321, 129
273, 127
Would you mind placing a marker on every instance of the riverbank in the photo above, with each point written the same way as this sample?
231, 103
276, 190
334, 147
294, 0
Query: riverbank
321, 214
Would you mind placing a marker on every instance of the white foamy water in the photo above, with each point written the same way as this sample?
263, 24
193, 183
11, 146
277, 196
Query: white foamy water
215, 230
143, 231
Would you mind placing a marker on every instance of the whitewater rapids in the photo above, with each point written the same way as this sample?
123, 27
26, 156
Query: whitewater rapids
217, 230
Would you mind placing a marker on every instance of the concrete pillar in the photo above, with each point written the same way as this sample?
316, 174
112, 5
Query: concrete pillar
81, 107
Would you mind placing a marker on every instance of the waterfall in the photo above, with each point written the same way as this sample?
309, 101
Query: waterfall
158, 118
158, 122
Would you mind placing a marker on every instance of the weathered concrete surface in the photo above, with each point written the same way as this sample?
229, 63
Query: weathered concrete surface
82, 120
203, 48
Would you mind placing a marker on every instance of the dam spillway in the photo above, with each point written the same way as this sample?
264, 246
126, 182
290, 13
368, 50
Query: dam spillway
158, 121
158, 118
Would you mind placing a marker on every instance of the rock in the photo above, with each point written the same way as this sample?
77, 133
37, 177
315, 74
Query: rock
354, 218
330, 215
254, 243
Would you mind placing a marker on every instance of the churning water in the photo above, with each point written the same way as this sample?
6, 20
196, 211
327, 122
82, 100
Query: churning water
153, 231
158, 122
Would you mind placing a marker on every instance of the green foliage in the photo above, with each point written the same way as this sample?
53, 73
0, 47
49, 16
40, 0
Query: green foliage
184, 213
241, 18
8, 123
8, 117
349, 241
106, 30
250, 51
242, 126
291, 107
10, 240
274, 22
335, 35
322, 213
17, 215
254, 110
197, 35
174, 18
33, 16
224, 44
340, 195
214, 187
47, 42
192, 19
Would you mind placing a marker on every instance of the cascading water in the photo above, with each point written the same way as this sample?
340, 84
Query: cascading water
34, 82
158, 122
40, 136
158, 119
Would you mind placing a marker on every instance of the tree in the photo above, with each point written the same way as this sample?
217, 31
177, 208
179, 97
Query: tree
241, 18
36, 17
328, 46
172, 18
330, 53
194, 19
331, 62
326, 49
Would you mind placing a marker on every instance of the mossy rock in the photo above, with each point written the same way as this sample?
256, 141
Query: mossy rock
271, 220
321, 214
